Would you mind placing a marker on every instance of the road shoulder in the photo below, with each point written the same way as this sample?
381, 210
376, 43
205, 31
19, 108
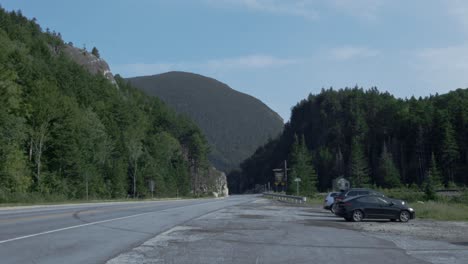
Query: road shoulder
265, 231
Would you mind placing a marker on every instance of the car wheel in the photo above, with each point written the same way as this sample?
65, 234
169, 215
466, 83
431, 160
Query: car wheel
404, 216
332, 208
357, 215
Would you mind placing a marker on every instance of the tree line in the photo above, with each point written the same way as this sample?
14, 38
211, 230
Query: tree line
371, 138
67, 133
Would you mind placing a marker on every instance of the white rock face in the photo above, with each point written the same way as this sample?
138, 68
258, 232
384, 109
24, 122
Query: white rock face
221, 184
92, 63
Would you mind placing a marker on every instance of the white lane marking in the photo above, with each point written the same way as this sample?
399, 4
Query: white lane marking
22, 209
94, 223
71, 227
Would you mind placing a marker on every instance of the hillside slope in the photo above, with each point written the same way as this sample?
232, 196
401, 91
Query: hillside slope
371, 138
66, 132
234, 123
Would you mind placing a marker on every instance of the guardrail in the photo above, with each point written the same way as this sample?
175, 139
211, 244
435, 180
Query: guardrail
283, 197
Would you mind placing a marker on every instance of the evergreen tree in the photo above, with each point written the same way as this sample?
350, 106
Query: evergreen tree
95, 52
449, 152
301, 167
434, 175
387, 170
358, 168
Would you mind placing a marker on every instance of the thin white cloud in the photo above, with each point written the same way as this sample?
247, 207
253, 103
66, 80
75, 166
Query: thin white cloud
349, 52
309, 9
302, 8
445, 66
367, 9
250, 62
459, 10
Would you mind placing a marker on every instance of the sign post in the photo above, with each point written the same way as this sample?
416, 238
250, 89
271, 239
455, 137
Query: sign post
151, 187
297, 180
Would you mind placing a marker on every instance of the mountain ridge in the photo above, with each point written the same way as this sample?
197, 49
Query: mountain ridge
225, 115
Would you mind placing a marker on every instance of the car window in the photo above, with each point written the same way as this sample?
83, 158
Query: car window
334, 194
382, 201
352, 193
363, 192
368, 199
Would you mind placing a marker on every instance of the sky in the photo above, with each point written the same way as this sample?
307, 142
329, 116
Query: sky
279, 51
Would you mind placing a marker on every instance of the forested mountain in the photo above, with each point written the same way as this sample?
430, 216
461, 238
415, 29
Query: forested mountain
68, 133
371, 138
234, 123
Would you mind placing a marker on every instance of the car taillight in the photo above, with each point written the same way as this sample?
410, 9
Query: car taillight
347, 204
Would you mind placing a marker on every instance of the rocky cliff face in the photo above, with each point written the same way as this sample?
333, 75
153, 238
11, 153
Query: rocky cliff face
92, 63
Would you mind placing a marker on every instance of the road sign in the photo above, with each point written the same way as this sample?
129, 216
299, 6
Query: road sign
279, 176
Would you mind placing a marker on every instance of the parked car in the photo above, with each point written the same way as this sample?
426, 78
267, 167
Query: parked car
330, 200
357, 208
354, 192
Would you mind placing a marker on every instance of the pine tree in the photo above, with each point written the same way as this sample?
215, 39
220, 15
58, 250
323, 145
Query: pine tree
449, 152
387, 170
434, 174
358, 168
95, 52
301, 167
339, 167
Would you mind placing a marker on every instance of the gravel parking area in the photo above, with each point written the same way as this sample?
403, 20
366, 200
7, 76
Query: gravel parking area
268, 231
437, 242
450, 231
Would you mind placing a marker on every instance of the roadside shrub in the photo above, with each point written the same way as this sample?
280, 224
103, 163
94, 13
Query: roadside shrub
406, 194
463, 198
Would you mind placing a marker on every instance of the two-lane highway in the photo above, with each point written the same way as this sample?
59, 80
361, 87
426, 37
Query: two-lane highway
93, 233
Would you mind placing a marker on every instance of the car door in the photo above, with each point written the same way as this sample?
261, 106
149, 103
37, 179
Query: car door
370, 206
388, 210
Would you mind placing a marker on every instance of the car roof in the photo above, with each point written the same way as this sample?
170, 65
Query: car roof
359, 196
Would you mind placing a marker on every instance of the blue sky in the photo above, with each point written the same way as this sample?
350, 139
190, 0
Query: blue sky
276, 50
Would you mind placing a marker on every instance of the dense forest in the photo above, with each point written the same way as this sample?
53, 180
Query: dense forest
69, 134
235, 124
370, 138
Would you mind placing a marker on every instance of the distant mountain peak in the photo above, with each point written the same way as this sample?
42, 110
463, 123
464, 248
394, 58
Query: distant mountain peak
235, 123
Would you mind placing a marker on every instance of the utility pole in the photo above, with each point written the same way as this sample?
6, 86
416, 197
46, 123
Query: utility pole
286, 174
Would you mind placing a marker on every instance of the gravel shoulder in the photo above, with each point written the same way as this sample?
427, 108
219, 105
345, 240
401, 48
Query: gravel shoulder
437, 242
450, 231
267, 231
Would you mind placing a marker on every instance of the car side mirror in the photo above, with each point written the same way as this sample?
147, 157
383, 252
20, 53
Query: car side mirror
391, 204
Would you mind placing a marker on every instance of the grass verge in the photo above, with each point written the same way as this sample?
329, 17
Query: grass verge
441, 211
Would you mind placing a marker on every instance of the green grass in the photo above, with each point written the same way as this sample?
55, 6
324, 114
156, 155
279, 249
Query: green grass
445, 211
317, 200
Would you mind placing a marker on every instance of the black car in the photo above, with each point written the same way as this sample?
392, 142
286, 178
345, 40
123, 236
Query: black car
352, 193
373, 207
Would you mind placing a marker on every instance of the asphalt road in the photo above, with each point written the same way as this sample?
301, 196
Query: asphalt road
238, 229
93, 233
